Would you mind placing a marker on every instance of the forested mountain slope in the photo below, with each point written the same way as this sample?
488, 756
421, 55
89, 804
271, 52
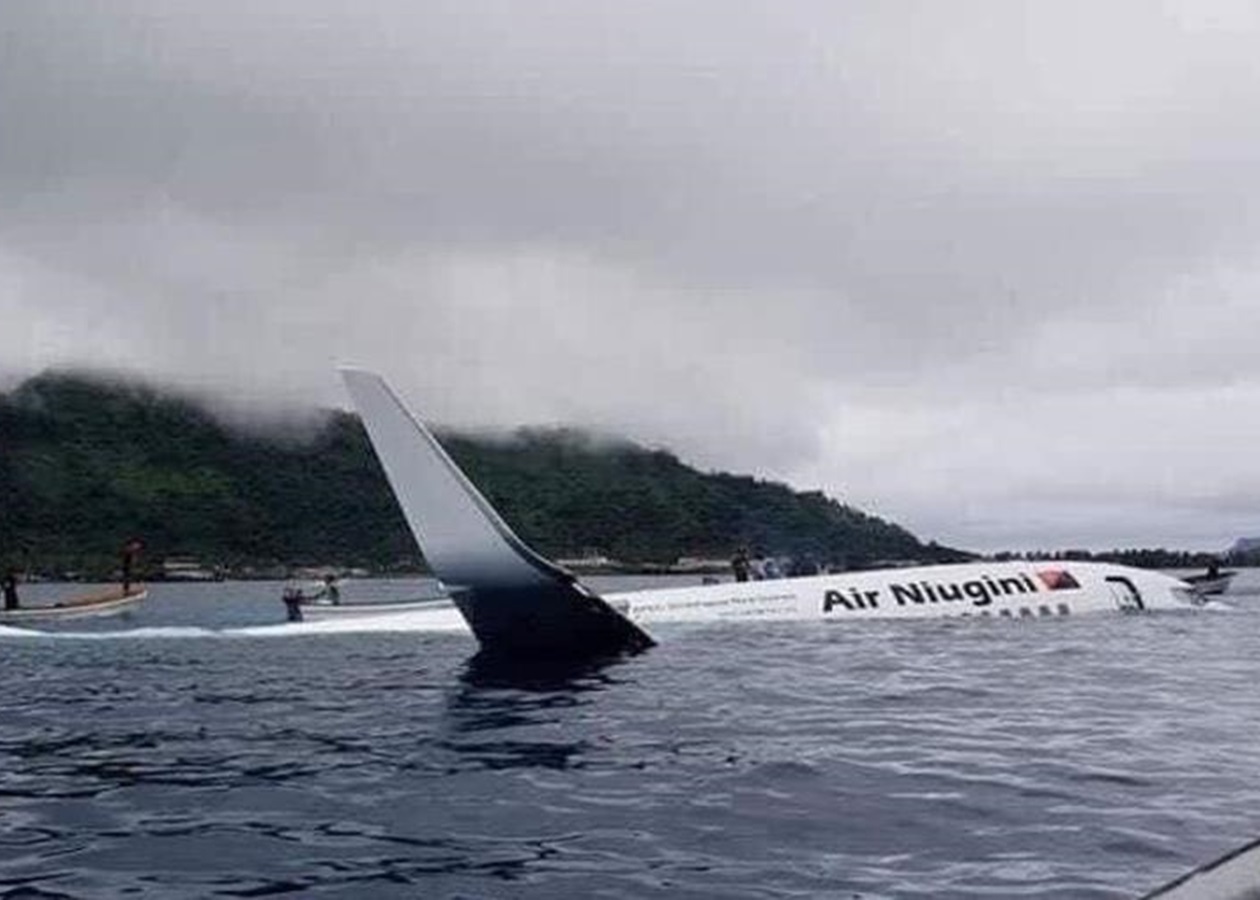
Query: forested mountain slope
86, 462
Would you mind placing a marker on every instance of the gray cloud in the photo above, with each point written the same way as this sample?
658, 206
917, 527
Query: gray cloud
989, 268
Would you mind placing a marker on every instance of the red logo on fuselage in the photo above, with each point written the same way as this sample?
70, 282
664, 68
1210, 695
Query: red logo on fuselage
1058, 579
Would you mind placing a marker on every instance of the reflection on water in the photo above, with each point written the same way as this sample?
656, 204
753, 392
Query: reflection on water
499, 695
489, 671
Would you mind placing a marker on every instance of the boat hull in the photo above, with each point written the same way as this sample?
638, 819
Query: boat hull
317, 612
107, 604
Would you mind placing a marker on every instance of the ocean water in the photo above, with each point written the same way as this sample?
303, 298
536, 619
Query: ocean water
161, 755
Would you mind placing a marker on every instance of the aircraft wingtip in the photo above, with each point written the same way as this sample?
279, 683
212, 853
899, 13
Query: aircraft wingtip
355, 377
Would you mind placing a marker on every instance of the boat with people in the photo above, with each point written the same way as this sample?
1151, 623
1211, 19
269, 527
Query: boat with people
107, 602
322, 600
102, 603
516, 602
1211, 583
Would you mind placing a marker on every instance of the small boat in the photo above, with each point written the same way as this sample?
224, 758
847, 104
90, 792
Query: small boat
1235, 876
316, 612
105, 603
1210, 584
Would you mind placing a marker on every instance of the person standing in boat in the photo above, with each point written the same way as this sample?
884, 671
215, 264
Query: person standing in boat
332, 590
130, 551
739, 564
10, 589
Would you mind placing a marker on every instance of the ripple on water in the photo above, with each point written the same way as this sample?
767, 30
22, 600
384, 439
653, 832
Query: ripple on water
1090, 758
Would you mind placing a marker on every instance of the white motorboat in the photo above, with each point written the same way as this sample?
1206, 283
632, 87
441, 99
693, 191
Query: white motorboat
322, 610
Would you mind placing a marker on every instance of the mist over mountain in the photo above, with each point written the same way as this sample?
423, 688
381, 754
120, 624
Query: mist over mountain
89, 461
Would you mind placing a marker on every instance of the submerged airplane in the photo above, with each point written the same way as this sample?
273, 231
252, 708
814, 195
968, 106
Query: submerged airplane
516, 602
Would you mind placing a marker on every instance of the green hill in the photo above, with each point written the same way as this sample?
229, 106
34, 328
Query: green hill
87, 462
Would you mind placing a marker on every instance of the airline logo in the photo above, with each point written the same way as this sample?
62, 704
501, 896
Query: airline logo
979, 591
1058, 580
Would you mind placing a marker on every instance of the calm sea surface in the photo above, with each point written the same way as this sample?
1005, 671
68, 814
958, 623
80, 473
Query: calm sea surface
1077, 757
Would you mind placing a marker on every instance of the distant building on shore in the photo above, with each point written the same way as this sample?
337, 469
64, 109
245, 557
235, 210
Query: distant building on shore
589, 562
187, 569
700, 564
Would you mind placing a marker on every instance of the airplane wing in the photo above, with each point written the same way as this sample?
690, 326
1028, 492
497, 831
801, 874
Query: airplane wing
515, 601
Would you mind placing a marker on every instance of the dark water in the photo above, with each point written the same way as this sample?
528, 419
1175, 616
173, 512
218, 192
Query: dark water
1082, 757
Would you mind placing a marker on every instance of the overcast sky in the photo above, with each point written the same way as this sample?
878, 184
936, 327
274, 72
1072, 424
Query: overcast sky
987, 269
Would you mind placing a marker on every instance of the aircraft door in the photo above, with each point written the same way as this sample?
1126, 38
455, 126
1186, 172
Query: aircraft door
1128, 598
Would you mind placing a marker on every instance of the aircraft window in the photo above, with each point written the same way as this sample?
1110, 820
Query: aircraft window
1025, 612
1004, 612
1064, 609
1044, 611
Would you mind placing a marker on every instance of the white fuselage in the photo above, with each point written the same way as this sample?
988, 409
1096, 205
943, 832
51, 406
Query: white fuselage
1011, 589
1004, 590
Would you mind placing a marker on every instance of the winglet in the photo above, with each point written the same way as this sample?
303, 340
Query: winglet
514, 599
